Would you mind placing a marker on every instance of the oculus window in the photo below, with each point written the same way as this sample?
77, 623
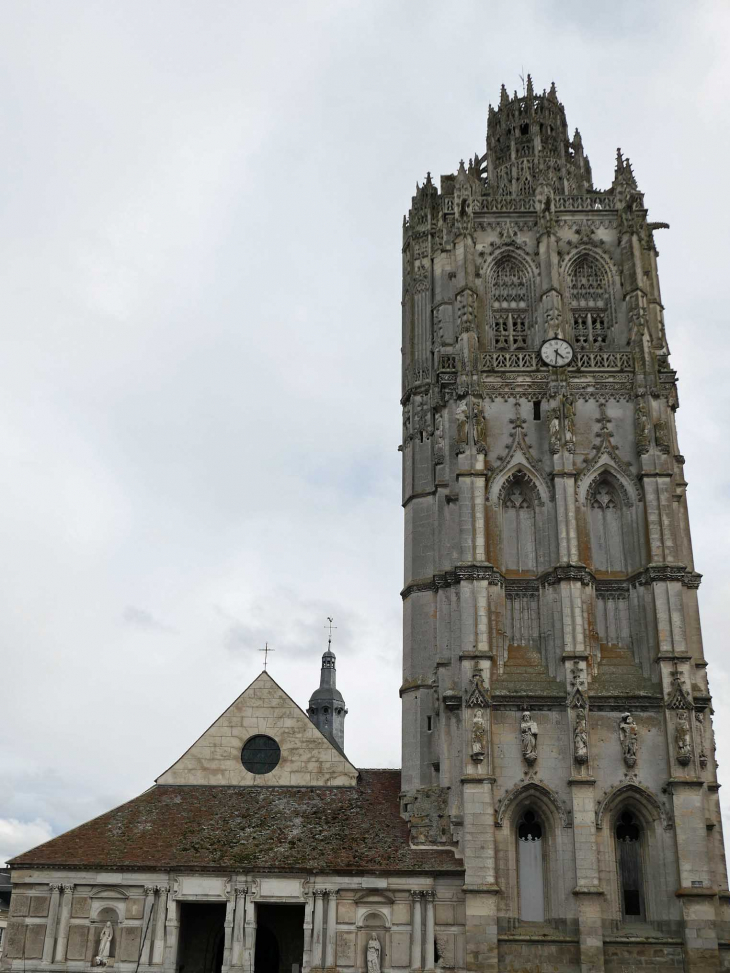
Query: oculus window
260, 754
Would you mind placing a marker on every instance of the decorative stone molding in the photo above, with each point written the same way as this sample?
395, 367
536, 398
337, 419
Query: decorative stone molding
539, 789
642, 795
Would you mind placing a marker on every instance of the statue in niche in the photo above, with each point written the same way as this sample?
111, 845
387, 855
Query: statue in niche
682, 738
580, 738
553, 418
629, 735
569, 415
700, 720
438, 448
528, 733
373, 954
661, 435
105, 945
480, 426
478, 736
642, 428
462, 425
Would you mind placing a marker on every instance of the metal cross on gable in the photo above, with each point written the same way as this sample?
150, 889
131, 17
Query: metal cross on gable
266, 651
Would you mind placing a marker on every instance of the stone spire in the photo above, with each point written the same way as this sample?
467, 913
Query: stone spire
326, 706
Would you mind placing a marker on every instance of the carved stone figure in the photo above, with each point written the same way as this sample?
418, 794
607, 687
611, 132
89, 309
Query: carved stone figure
569, 415
528, 733
641, 420
700, 720
661, 435
580, 739
629, 736
462, 425
373, 954
553, 418
480, 426
478, 736
105, 945
682, 738
438, 445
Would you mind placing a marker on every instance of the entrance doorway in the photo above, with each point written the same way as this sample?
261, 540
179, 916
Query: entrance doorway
279, 938
201, 937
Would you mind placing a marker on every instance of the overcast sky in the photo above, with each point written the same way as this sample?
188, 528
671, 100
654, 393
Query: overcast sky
201, 209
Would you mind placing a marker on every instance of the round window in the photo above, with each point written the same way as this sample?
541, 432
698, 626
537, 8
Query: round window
260, 754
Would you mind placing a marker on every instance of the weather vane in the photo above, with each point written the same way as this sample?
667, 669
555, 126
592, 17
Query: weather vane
330, 626
266, 651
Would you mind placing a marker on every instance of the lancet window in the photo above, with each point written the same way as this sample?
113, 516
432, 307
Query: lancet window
628, 854
530, 868
607, 542
509, 297
518, 524
589, 301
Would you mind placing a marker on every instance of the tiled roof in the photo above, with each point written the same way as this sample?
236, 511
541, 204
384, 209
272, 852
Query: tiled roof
201, 827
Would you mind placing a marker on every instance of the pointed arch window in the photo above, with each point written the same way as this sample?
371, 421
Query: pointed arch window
606, 517
530, 868
509, 293
628, 849
589, 302
518, 524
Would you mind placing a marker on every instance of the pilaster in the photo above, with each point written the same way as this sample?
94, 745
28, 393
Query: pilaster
50, 939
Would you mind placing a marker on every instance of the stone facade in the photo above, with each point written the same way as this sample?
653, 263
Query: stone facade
558, 807
549, 580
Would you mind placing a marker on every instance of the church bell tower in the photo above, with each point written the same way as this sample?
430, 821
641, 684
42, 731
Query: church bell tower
556, 711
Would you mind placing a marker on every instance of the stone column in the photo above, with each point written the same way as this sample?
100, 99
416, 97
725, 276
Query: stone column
158, 948
429, 959
228, 931
62, 940
331, 942
149, 905
317, 930
51, 925
416, 930
249, 933
172, 928
238, 926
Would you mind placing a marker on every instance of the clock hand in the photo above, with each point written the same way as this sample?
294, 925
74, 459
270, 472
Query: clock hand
558, 355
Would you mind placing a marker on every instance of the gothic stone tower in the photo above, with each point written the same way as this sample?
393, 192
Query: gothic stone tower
556, 711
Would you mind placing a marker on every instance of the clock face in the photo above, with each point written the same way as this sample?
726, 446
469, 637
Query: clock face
556, 352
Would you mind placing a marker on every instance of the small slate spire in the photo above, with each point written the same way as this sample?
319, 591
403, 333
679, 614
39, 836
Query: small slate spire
326, 706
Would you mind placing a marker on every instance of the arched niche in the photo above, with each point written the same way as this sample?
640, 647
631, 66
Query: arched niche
373, 922
519, 502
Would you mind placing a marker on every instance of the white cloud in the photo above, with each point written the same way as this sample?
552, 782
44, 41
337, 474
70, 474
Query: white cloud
18, 836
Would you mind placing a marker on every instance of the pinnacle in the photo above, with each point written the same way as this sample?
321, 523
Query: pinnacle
553, 93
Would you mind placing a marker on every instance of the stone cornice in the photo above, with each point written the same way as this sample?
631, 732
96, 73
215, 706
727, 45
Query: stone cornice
563, 572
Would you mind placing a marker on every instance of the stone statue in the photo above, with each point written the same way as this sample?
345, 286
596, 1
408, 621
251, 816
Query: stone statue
569, 414
642, 428
478, 736
700, 720
580, 739
528, 732
105, 945
553, 418
462, 423
629, 735
373, 954
480, 426
682, 738
438, 446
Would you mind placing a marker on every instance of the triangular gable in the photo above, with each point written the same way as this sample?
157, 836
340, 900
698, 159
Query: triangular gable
307, 757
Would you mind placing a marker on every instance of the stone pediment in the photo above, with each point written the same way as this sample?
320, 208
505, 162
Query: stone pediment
307, 757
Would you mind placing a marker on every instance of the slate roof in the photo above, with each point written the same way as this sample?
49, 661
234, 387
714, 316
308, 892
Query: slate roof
210, 827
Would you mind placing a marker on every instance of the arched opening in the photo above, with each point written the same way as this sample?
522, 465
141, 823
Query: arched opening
628, 854
589, 302
530, 868
518, 524
509, 301
606, 520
